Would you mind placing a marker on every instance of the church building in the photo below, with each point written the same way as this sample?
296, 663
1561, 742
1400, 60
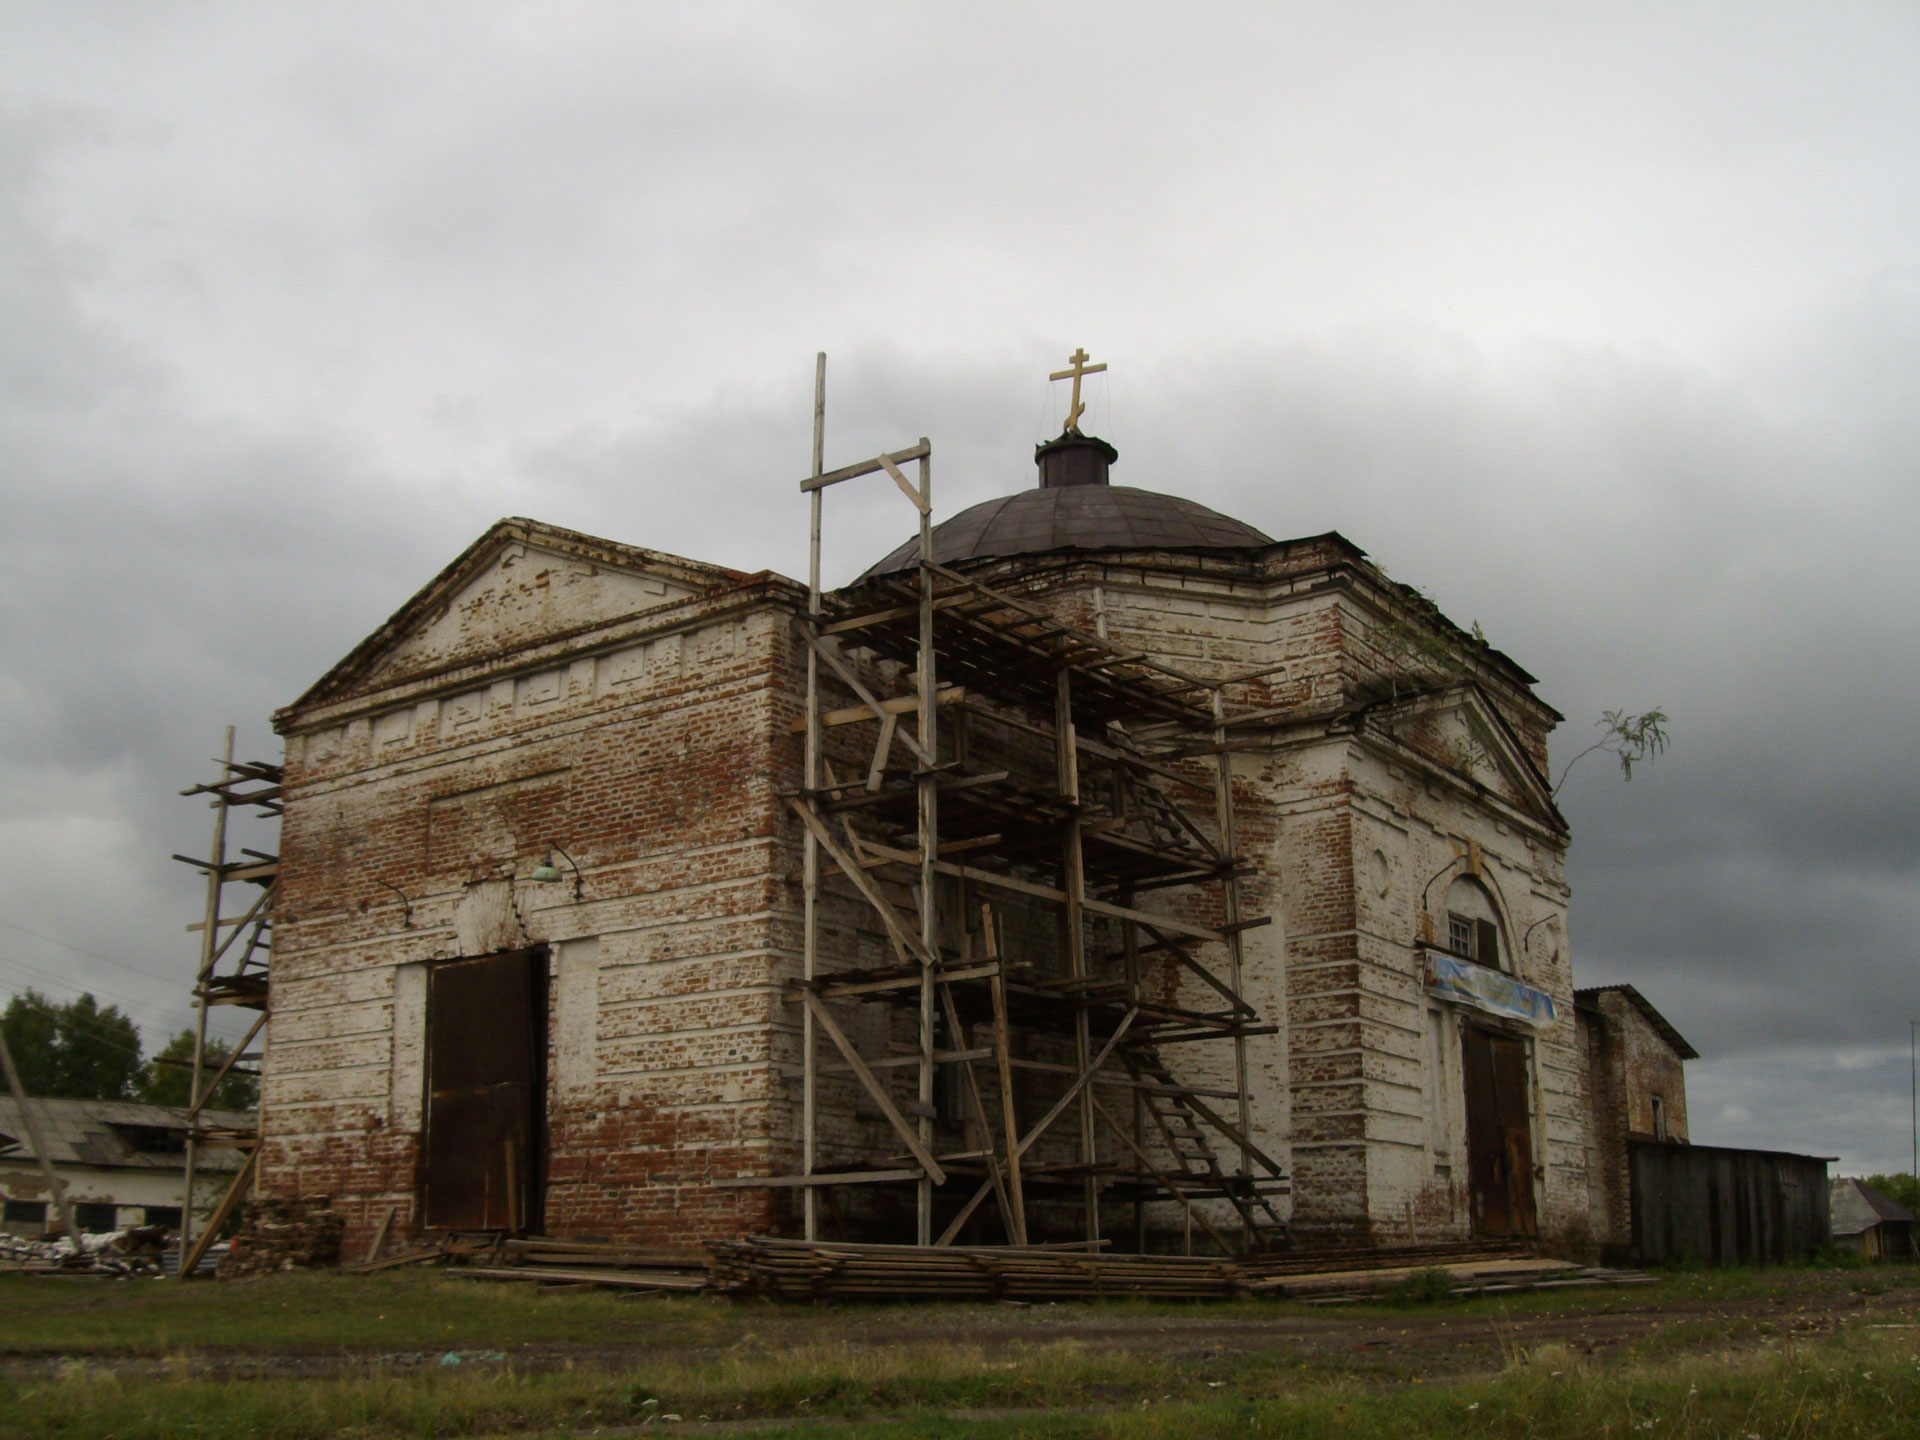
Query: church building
1095, 866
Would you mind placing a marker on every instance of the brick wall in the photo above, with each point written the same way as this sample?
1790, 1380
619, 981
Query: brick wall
1629, 1062
649, 748
653, 743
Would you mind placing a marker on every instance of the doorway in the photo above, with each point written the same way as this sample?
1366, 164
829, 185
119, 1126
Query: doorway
486, 1093
1499, 1134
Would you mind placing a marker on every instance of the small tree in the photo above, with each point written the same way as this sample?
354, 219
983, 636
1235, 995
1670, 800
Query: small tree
1901, 1189
74, 1051
1630, 739
168, 1076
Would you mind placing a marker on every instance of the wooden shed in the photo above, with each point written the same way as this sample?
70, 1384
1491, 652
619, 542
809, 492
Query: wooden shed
1702, 1204
1880, 1228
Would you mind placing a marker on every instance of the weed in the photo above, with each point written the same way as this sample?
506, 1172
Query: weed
1428, 1286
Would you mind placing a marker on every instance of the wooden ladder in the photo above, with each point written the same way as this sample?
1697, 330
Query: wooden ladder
1183, 1123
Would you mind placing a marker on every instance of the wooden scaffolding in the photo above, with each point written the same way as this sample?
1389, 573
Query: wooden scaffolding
1000, 790
235, 942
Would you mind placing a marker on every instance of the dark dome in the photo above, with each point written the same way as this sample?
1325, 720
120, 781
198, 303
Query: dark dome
1077, 517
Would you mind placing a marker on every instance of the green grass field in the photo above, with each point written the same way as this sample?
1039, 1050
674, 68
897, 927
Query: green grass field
1735, 1354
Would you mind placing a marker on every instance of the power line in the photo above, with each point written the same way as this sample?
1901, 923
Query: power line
81, 950
169, 1025
153, 1012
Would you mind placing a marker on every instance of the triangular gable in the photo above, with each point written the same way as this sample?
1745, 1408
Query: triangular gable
1460, 729
519, 584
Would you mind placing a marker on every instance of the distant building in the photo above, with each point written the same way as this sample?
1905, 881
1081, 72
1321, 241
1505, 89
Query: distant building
122, 1162
1637, 1091
1868, 1221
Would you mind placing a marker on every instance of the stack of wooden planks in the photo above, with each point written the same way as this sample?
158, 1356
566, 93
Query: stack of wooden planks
589, 1262
600, 1263
1344, 1277
798, 1270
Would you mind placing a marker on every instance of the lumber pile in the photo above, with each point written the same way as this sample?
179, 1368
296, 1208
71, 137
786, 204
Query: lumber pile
1301, 1260
1474, 1277
283, 1233
587, 1262
799, 1270
492, 1256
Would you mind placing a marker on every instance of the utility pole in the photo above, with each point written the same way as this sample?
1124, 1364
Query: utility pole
54, 1183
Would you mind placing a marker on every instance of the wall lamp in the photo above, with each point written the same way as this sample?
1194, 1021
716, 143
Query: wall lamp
1426, 915
546, 871
1543, 920
406, 922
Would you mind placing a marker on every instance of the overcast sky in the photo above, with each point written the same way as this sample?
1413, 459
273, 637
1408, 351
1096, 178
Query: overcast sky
1600, 324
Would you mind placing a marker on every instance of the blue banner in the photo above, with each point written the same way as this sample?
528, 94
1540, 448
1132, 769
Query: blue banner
1494, 991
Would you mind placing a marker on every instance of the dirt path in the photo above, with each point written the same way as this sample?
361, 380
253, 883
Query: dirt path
1429, 1342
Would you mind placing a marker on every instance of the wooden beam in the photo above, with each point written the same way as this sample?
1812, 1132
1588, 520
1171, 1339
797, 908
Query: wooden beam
907, 487
1080, 1083
1165, 1180
1003, 1054
228, 1203
819, 1177
380, 1234
851, 868
891, 613
864, 467
987, 1186
979, 1113
824, 1018
899, 705
840, 668
1047, 892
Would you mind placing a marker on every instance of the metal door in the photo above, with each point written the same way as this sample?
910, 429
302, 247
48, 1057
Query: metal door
1499, 1134
486, 1063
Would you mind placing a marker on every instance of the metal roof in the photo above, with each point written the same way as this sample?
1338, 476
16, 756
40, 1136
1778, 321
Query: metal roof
1858, 1207
1077, 517
1589, 1000
102, 1133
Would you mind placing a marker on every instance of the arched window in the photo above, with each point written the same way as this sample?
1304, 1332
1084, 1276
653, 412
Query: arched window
1473, 924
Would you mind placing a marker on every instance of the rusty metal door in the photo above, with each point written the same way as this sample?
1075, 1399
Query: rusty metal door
1499, 1134
486, 1092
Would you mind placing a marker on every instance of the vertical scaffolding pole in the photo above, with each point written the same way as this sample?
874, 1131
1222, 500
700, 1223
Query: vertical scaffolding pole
1066, 750
1003, 1058
209, 953
1230, 899
810, 781
1130, 941
929, 807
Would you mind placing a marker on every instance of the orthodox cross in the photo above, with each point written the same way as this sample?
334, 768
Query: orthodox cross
1080, 367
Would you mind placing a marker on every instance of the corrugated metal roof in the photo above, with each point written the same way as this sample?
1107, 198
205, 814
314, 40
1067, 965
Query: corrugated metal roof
1077, 517
96, 1132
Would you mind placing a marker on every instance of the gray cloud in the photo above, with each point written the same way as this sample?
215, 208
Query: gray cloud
1602, 327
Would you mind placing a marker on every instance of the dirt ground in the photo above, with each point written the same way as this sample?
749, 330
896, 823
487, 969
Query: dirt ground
1431, 1342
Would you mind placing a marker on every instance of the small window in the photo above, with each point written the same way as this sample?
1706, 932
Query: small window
26, 1212
1659, 1119
96, 1219
1460, 936
167, 1217
1473, 924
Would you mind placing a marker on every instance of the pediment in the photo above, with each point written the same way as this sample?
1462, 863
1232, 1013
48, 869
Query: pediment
1459, 730
520, 584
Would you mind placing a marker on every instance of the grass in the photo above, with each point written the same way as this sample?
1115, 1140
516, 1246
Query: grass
423, 1309
1735, 1354
1835, 1390
306, 1311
